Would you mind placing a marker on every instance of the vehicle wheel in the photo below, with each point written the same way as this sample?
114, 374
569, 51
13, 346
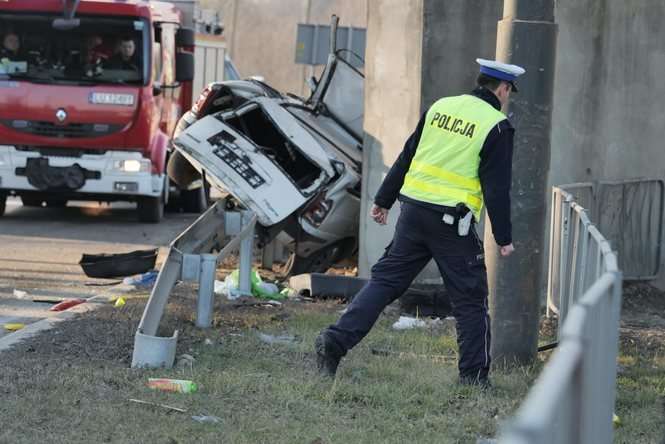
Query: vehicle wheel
194, 201
150, 209
318, 262
31, 201
3, 203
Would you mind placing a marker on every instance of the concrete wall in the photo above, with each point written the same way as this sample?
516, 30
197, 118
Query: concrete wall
609, 120
261, 34
392, 107
417, 51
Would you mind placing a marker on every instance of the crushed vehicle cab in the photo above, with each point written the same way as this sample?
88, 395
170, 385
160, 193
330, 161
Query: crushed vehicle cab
295, 163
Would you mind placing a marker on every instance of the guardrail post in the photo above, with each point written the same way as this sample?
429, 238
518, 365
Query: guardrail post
246, 247
205, 301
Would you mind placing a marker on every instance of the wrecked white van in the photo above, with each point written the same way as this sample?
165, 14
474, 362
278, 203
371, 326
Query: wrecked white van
295, 163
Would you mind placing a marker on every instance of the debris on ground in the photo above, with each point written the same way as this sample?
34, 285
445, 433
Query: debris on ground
118, 265
407, 323
207, 418
172, 385
20, 294
67, 303
616, 420
119, 302
259, 288
14, 326
101, 284
143, 280
407, 355
154, 404
281, 339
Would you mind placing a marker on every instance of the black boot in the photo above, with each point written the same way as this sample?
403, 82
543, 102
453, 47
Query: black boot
328, 355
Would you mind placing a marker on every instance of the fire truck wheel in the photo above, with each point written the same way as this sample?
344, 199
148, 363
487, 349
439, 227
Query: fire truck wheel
150, 209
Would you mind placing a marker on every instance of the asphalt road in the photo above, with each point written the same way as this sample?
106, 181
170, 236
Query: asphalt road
40, 249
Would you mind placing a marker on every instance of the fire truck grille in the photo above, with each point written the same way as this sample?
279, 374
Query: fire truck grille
69, 130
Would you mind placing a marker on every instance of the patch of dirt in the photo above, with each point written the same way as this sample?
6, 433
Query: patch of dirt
107, 334
643, 319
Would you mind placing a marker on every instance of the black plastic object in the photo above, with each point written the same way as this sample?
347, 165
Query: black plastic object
118, 265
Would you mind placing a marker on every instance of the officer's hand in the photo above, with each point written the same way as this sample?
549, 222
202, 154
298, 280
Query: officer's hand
507, 250
380, 215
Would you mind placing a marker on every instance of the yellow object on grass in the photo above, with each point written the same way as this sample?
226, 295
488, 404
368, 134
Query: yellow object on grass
14, 327
616, 420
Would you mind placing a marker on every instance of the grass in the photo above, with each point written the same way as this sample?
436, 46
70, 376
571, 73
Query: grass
73, 385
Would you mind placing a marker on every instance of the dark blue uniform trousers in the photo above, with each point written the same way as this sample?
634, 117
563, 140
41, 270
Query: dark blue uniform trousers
421, 235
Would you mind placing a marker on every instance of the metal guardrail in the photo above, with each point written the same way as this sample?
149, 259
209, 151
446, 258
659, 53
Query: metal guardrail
572, 400
193, 257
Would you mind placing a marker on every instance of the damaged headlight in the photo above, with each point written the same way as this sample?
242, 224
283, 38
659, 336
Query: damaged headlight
317, 211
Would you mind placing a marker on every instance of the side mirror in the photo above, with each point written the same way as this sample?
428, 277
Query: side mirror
156, 89
184, 67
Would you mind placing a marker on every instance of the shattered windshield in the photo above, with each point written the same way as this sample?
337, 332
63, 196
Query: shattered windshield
100, 50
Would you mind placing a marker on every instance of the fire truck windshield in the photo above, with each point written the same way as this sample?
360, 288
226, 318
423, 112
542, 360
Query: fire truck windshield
100, 50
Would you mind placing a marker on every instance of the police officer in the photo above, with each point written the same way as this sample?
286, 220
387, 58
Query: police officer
458, 158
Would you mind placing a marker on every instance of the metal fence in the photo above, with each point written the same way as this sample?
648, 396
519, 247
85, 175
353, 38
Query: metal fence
573, 399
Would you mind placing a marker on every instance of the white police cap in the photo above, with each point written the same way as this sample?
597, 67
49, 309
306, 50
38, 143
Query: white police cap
501, 71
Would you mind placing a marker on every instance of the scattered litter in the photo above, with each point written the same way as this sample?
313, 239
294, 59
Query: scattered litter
406, 355
117, 265
154, 404
144, 280
67, 303
20, 294
282, 339
268, 288
14, 327
220, 289
48, 299
207, 342
288, 292
119, 302
185, 361
206, 418
259, 288
239, 335
616, 420
407, 323
102, 284
172, 385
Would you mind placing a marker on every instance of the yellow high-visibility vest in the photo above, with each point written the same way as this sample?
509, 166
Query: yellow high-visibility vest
444, 170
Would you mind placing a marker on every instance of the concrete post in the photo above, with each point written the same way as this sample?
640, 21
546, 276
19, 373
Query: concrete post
527, 37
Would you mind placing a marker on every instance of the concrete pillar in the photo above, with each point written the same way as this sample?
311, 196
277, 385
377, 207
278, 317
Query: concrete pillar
527, 36
417, 51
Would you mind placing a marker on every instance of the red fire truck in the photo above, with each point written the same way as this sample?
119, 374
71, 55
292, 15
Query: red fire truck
90, 91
